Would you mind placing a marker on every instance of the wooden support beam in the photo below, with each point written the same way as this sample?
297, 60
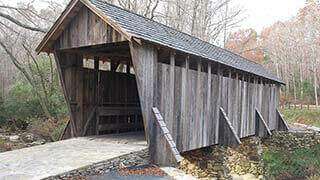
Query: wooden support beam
167, 152
114, 65
59, 60
227, 134
262, 129
282, 124
90, 118
144, 59
96, 90
128, 67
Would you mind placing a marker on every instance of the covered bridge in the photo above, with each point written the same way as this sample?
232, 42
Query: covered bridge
122, 72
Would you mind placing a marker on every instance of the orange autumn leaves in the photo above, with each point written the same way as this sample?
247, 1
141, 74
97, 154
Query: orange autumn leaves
246, 43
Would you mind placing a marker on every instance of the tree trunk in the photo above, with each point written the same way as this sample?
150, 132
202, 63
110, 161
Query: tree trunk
315, 84
294, 88
301, 81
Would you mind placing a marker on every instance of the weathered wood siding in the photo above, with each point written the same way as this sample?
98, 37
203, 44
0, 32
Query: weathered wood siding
144, 59
192, 114
87, 29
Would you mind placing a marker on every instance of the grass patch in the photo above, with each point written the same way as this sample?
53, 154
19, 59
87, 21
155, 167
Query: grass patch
301, 162
303, 116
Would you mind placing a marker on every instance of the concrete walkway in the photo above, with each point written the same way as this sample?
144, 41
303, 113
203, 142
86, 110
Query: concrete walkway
58, 157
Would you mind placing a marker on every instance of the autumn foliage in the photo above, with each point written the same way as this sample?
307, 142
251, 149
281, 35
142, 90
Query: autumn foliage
245, 43
291, 49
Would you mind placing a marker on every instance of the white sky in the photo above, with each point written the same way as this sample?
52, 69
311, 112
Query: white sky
263, 13
258, 13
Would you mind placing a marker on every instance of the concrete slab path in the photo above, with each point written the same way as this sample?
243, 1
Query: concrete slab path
58, 157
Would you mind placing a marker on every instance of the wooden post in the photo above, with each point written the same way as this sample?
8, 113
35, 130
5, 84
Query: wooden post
58, 58
144, 59
128, 67
96, 91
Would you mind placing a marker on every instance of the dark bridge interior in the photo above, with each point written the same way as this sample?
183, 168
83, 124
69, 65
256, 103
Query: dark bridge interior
102, 88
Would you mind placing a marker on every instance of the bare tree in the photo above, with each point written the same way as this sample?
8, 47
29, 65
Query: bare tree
21, 29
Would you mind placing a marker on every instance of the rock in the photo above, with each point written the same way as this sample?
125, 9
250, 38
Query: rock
248, 176
14, 138
37, 143
191, 166
28, 137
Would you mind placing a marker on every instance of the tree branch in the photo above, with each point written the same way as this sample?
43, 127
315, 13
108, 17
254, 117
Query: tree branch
15, 21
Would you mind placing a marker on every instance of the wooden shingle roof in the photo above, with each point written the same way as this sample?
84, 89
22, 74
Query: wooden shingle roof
144, 28
134, 25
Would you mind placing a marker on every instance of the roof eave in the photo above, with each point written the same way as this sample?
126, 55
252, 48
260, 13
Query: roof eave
136, 37
45, 46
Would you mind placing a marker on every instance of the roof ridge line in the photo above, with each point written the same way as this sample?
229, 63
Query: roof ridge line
244, 58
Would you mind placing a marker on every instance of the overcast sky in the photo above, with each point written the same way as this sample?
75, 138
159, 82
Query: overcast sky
262, 13
258, 13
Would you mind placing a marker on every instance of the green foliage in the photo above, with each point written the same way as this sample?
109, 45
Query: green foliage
308, 91
2, 114
304, 116
22, 104
302, 162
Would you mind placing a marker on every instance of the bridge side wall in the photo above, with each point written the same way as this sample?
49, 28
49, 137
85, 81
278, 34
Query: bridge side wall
189, 99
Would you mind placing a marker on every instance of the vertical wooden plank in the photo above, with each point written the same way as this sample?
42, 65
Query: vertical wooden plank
229, 97
144, 60
236, 104
184, 104
170, 99
208, 122
198, 118
214, 103
177, 107
192, 76
240, 92
217, 109
244, 107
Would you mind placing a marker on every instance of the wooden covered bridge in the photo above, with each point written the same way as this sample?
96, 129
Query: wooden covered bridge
121, 72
